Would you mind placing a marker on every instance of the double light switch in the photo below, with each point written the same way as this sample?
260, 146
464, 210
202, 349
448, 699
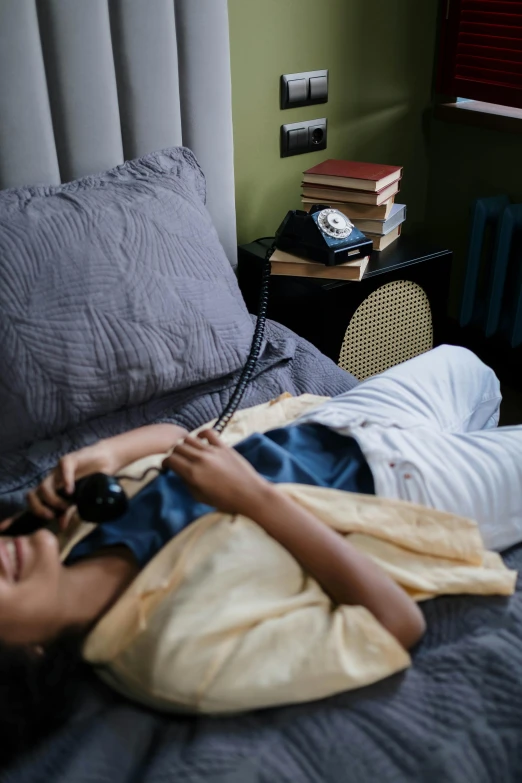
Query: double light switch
304, 89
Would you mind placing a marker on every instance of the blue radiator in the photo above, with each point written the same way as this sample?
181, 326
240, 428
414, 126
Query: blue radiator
492, 295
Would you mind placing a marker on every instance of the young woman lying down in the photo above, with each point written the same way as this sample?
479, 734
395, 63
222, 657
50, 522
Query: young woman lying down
424, 431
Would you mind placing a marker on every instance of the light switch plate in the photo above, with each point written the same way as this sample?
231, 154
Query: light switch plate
304, 89
318, 90
297, 91
300, 137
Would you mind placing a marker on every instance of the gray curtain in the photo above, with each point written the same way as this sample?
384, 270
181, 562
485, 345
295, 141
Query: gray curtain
86, 84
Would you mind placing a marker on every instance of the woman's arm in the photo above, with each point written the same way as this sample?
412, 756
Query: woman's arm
106, 456
348, 576
143, 442
221, 477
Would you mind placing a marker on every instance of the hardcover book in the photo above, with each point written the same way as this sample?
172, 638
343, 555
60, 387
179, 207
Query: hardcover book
324, 194
372, 177
294, 266
381, 227
353, 210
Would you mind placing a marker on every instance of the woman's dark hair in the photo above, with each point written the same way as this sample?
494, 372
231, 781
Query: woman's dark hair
37, 692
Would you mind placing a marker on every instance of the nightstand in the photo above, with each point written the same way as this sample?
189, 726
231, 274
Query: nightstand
395, 312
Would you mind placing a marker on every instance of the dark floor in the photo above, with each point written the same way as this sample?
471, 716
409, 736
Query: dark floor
511, 408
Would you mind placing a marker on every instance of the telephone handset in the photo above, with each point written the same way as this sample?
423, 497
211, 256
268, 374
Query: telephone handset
323, 235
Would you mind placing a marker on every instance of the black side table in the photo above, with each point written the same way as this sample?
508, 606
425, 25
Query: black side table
322, 310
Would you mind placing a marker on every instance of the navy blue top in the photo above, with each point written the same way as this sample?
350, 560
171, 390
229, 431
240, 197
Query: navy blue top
301, 454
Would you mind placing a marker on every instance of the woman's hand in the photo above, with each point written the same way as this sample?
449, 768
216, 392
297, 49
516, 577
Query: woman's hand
216, 474
44, 500
107, 456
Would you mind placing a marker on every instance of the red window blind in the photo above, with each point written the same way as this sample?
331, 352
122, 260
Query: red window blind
481, 50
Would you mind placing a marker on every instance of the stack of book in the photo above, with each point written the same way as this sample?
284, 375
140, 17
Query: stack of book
364, 192
294, 266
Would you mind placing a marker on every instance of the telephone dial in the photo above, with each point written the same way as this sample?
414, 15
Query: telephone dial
323, 235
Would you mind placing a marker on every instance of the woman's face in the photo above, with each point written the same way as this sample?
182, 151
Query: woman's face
31, 595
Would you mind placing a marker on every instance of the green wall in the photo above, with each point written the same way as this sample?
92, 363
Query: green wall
467, 163
380, 56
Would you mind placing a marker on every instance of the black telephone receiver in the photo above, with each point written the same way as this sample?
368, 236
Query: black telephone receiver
99, 498
323, 235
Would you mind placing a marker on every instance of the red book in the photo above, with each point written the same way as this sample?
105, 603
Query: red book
373, 177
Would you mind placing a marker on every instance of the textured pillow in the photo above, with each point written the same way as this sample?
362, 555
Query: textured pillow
114, 290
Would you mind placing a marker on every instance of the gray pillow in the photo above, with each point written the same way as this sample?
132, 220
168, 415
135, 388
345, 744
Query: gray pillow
114, 290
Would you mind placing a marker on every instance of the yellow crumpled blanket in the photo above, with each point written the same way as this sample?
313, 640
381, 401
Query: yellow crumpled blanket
224, 619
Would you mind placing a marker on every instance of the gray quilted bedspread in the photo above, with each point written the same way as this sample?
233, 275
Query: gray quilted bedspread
454, 717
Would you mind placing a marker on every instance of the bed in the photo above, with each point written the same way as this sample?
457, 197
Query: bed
455, 716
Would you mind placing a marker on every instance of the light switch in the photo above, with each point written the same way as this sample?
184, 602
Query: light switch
297, 91
319, 88
303, 89
297, 139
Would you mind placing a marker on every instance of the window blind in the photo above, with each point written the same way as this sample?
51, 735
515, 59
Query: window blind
481, 50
